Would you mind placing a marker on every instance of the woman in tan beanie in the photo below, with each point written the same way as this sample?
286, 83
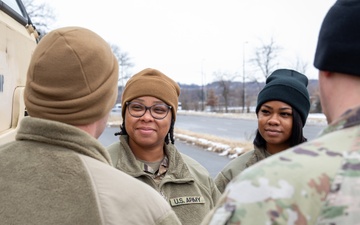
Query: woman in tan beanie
146, 148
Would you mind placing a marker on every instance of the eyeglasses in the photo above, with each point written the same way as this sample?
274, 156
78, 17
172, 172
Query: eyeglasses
157, 111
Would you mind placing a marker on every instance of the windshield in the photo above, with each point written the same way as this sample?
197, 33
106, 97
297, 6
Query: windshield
13, 4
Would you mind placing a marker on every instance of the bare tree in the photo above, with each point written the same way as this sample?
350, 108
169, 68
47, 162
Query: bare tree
41, 14
266, 57
190, 97
300, 65
125, 64
212, 100
314, 92
224, 80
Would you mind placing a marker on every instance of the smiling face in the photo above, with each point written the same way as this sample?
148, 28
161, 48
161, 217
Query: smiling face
275, 121
146, 134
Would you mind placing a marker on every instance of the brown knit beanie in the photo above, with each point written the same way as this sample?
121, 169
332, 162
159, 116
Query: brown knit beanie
151, 82
72, 77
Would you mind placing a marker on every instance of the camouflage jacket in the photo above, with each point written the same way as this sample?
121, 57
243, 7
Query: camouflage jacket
316, 182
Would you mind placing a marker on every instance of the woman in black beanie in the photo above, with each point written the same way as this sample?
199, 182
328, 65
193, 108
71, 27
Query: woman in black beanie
282, 109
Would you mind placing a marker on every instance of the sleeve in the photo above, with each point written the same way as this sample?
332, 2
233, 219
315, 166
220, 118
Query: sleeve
221, 181
288, 188
215, 193
231, 170
113, 150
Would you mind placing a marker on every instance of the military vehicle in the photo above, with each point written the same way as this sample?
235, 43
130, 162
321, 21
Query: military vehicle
18, 39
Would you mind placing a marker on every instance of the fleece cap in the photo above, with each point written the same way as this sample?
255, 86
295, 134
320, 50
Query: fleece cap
151, 82
288, 86
338, 47
72, 77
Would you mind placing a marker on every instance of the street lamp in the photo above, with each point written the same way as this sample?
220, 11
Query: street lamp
243, 84
202, 87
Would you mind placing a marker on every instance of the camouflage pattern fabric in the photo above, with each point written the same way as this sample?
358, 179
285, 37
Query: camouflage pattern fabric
317, 182
159, 174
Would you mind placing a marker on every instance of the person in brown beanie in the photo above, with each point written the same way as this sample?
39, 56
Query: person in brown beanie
56, 171
283, 106
147, 152
316, 182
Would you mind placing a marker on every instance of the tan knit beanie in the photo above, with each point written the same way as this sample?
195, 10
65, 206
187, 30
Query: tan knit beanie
151, 82
72, 77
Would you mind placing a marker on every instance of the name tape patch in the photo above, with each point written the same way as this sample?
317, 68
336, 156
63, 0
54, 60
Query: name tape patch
187, 200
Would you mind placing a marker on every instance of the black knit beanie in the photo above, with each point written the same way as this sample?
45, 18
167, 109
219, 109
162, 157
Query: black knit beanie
338, 47
287, 86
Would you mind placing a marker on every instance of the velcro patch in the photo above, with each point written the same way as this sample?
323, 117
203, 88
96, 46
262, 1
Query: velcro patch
187, 200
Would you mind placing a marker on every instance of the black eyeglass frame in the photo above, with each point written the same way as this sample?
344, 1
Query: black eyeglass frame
169, 107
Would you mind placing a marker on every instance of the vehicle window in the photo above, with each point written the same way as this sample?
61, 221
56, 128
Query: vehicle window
13, 4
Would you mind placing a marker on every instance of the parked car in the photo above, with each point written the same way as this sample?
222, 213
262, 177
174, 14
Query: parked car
117, 108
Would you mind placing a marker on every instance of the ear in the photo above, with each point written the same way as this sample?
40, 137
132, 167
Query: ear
326, 73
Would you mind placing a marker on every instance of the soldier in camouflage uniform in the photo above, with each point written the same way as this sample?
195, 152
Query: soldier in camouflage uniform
147, 152
316, 182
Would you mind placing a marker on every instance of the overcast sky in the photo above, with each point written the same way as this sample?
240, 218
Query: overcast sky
189, 40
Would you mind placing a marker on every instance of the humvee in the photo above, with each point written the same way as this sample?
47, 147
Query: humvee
18, 39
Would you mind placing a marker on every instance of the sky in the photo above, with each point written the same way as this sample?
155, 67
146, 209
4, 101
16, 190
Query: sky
191, 40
